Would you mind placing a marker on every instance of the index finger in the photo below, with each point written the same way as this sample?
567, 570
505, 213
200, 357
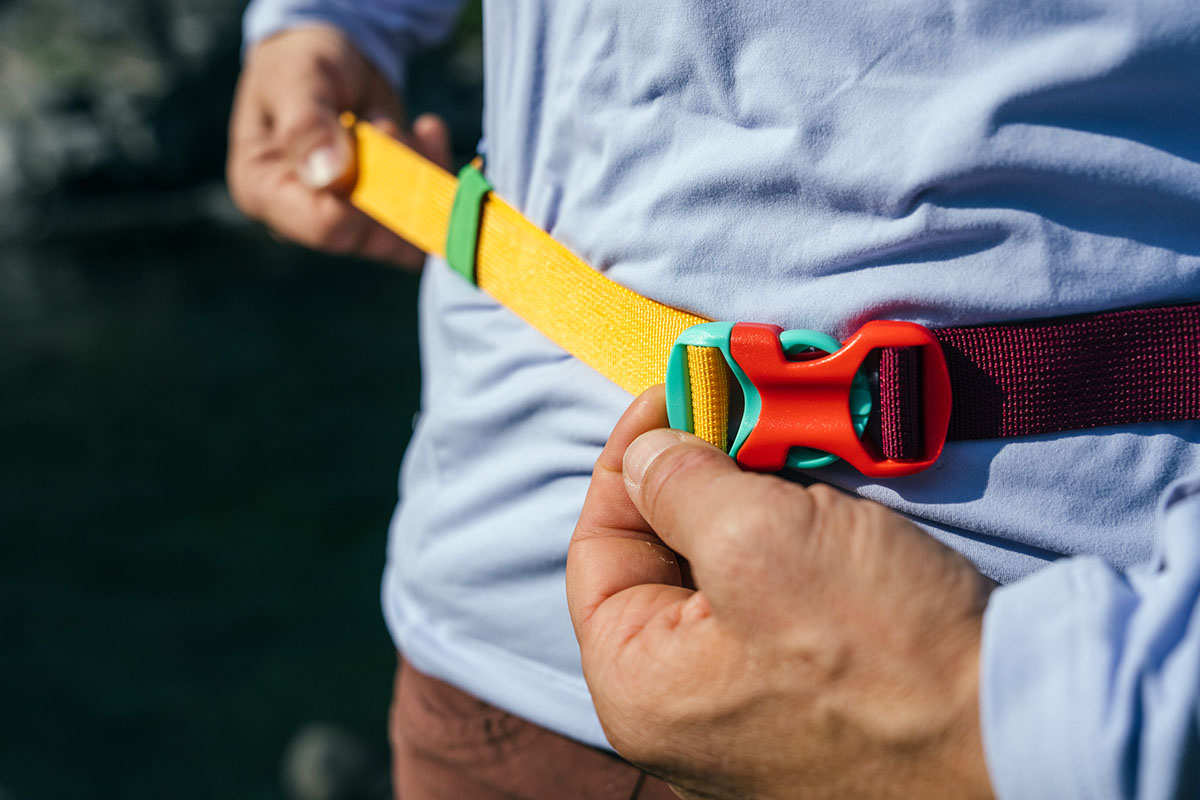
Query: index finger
613, 548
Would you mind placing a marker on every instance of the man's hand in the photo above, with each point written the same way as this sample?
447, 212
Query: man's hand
291, 162
829, 649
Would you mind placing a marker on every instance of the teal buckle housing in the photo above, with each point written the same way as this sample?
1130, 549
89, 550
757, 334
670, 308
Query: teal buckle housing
717, 334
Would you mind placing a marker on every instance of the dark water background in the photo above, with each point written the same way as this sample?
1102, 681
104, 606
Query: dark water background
200, 427
201, 432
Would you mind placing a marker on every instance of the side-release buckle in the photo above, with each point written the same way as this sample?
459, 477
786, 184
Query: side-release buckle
807, 413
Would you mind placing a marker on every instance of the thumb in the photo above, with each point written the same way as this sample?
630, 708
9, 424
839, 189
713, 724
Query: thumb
326, 159
701, 504
311, 135
735, 528
431, 138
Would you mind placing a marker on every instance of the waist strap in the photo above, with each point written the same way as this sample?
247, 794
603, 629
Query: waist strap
1072, 373
1063, 374
622, 335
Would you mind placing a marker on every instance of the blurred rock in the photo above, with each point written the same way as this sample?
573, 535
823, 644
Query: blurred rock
105, 106
324, 762
114, 96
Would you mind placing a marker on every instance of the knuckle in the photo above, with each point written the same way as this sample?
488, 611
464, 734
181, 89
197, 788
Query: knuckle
738, 528
769, 504
344, 236
726, 546
762, 530
327, 230
824, 503
307, 124
329, 227
775, 498
823, 494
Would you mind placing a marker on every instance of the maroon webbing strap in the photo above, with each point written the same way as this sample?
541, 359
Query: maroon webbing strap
1069, 373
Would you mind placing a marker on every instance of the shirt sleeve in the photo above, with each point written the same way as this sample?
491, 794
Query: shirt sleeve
1091, 678
388, 32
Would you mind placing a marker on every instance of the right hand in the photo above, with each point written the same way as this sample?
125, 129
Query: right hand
828, 649
291, 161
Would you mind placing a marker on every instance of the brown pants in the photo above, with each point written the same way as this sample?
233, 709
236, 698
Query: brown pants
448, 745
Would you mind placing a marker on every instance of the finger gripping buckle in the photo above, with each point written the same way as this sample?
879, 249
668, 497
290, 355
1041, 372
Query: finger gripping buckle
819, 404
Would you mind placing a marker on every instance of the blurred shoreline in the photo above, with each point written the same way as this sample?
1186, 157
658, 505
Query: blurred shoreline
201, 427
114, 115
118, 215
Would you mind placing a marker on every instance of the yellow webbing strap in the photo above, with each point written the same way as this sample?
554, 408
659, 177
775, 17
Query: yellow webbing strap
617, 332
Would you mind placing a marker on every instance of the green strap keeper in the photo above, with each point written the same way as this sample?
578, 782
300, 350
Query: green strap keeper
462, 237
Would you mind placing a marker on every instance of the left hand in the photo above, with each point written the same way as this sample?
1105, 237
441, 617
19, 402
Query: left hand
830, 648
291, 163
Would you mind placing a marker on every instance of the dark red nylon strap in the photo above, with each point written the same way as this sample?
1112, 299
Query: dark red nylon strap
1069, 373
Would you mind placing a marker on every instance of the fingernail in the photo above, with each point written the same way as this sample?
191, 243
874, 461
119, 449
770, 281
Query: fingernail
322, 167
644, 449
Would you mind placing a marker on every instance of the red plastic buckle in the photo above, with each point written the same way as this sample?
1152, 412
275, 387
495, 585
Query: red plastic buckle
807, 403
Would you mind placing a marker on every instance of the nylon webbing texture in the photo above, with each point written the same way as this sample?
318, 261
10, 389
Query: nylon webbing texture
1073, 373
615, 331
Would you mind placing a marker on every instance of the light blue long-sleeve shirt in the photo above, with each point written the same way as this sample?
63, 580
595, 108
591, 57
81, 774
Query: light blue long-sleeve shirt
816, 166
